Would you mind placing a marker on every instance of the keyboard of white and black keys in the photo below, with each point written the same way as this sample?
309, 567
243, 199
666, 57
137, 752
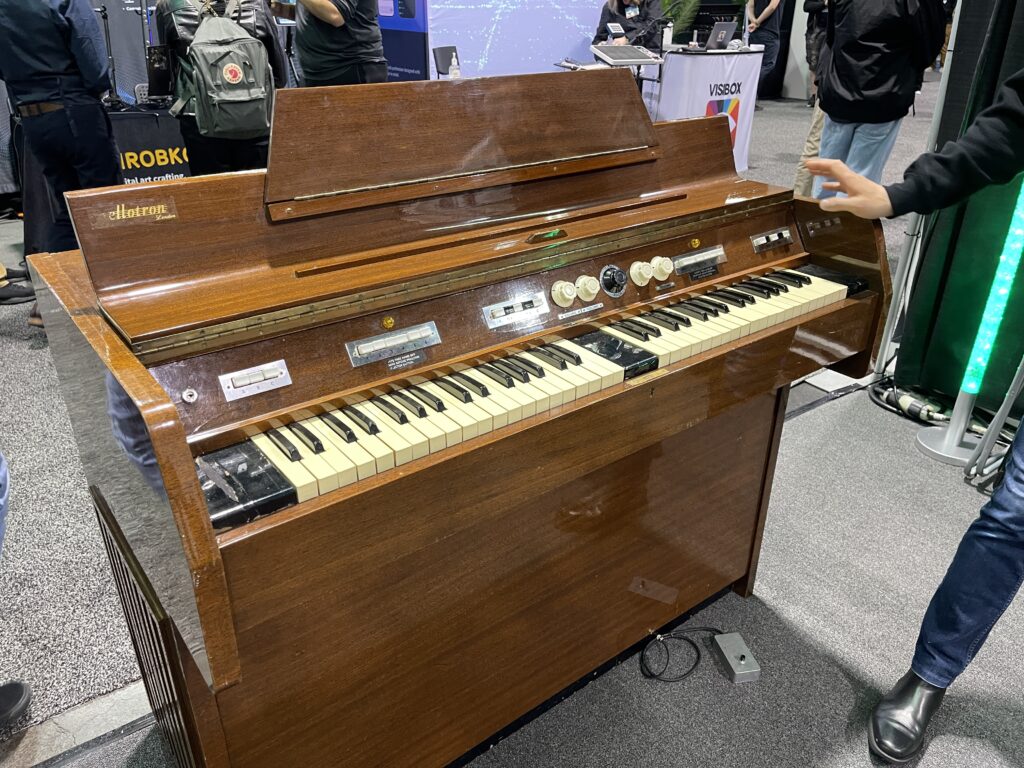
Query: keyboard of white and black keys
385, 428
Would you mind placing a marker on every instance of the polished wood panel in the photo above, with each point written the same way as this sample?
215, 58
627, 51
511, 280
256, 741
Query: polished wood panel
445, 598
355, 147
92, 360
456, 614
238, 263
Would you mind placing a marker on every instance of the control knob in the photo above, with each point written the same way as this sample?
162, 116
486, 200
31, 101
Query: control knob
613, 280
563, 293
587, 287
640, 272
663, 268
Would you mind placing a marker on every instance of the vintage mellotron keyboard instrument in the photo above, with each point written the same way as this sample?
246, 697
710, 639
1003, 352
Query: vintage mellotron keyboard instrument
479, 384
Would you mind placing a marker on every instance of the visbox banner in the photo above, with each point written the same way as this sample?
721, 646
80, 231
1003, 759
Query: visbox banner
704, 85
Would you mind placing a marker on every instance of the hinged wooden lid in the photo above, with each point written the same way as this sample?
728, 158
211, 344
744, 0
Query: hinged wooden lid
335, 149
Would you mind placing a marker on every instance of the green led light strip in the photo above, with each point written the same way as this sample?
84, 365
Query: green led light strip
999, 295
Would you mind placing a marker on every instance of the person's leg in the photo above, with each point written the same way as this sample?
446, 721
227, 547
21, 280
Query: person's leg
14, 696
205, 155
981, 582
771, 51
373, 73
804, 183
836, 139
249, 154
96, 159
985, 575
870, 148
49, 138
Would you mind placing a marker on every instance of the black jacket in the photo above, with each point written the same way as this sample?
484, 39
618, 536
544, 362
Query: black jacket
817, 12
639, 30
874, 57
177, 21
991, 151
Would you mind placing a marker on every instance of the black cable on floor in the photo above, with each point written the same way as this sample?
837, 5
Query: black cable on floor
660, 641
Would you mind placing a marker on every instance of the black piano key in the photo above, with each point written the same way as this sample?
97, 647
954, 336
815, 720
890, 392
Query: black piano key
241, 484
499, 376
340, 428
282, 442
697, 313
312, 441
412, 404
773, 289
549, 357
529, 365
678, 321
668, 324
704, 304
640, 324
567, 354
764, 293
729, 298
369, 425
746, 298
430, 399
453, 389
789, 280
720, 306
471, 384
780, 287
391, 410
513, 370
637, 333
795, 276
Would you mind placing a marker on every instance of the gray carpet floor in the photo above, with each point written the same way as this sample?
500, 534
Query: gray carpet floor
860, 530
61, 627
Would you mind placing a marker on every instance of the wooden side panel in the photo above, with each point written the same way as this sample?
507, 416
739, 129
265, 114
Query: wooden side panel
134, 452
184, 707
437, 132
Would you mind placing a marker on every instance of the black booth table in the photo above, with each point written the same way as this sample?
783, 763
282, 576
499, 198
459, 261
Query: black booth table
150, 147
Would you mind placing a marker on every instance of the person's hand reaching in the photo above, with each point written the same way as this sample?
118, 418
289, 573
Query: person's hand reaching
863, 197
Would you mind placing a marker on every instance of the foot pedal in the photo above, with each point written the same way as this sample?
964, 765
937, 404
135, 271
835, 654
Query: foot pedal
737, 658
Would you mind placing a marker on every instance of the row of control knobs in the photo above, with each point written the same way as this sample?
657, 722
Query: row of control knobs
613, 280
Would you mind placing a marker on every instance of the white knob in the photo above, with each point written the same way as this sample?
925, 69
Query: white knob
563, 293
662, 267
587, 287
640, 272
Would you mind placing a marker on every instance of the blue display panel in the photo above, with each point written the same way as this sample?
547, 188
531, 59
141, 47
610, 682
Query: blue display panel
507, 37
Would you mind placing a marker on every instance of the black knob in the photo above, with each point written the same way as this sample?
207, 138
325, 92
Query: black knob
613, 279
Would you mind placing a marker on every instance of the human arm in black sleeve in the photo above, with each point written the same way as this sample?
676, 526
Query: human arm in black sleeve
602, 25
814, 6
272, 42
991, 151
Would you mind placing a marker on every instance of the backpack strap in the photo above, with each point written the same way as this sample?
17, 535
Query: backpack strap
231, 8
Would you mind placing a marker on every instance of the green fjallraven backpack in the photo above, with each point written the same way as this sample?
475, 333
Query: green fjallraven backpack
231, 83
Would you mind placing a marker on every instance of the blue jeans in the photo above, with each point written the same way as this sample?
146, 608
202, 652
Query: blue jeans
5, 492
980, 584
864, 147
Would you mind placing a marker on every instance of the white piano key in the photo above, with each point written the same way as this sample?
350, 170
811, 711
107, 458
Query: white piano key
301, 478
359, 456
403, 451
416, 440
383, 456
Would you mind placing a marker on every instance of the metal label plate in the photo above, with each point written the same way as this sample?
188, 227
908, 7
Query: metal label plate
392, 344
251, 381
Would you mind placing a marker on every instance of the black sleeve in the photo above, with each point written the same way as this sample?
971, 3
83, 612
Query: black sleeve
275, 50
602, 25
651, 38
991, 151
927, 19
814, 6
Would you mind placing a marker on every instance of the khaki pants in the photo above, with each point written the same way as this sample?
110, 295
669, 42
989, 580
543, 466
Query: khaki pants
804, 183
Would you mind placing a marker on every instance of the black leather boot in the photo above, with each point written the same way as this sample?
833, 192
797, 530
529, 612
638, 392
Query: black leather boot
897, 725
14, 699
